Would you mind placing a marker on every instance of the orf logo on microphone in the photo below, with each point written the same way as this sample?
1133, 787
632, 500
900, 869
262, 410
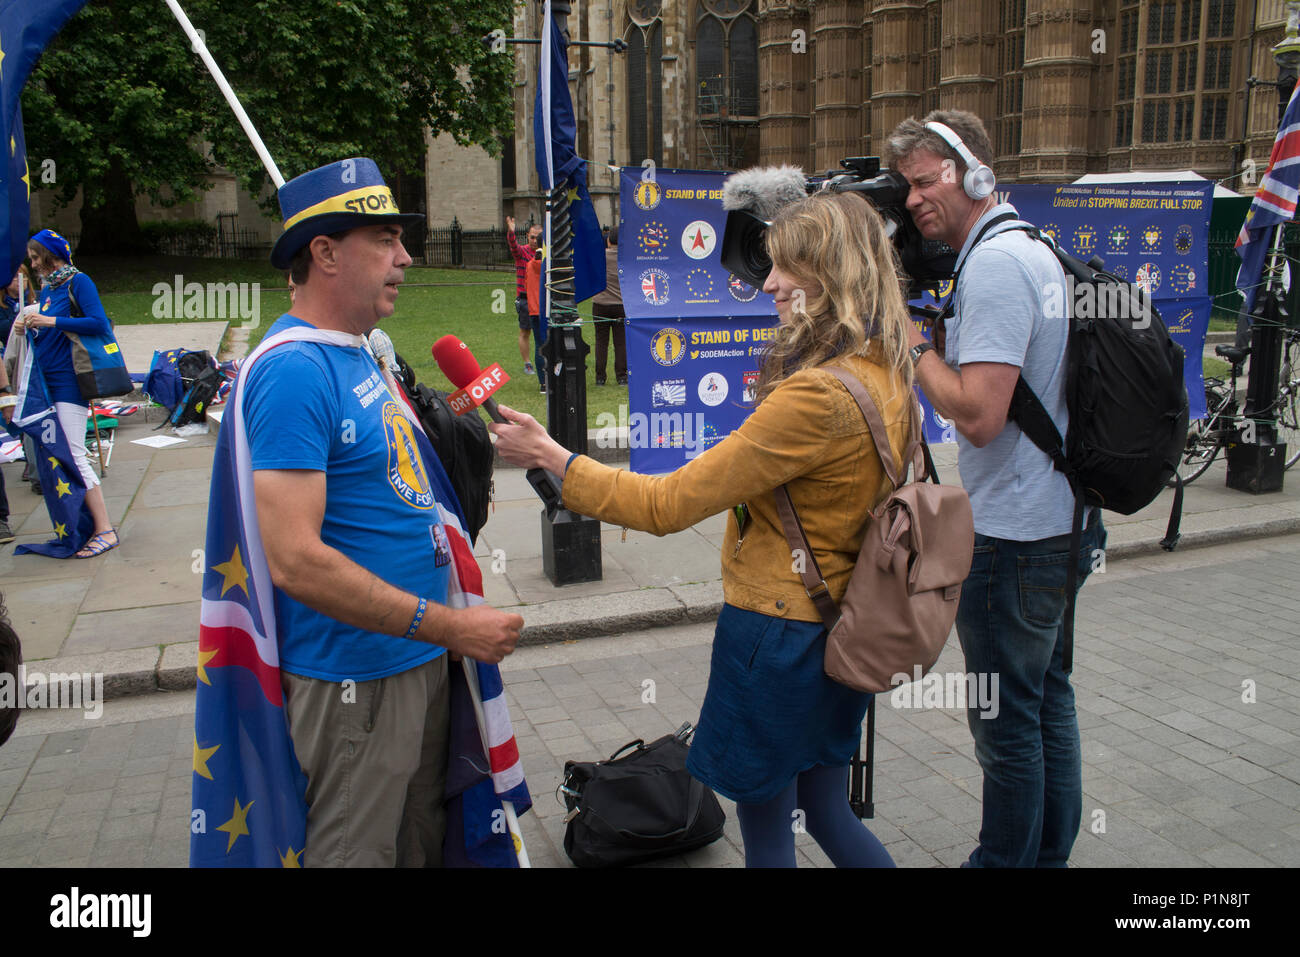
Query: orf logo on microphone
477, 392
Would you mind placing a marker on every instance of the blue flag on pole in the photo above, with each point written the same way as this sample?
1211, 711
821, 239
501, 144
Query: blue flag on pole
554, 132
26, 27
60, 479
1274, 203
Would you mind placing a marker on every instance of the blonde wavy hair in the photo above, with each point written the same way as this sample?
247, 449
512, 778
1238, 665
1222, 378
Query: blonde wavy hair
838, 242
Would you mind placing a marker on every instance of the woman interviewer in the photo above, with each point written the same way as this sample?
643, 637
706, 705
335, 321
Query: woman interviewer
51, 257
775, 734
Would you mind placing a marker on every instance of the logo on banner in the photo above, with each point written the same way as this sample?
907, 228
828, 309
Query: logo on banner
698, 239
654, 286
944, 289
1085, 240
750, 380
653, 239
713, 388
668, 392
1117, 239
740, 290
1183, 240
1182, 278
1053, 230
699, 285
1150, 239
1184, 321
1121, 270
1148, 278
647, 194
668, 346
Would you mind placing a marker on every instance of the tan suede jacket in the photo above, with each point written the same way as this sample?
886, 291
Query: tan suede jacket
808, 433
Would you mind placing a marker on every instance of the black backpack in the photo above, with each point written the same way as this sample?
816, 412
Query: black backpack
463, 444
1126, 397
193, 406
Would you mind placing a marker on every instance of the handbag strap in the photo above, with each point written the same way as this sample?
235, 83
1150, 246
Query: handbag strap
809, 571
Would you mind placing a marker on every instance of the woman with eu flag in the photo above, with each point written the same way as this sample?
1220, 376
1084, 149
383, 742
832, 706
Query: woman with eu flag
69, 302
775, 734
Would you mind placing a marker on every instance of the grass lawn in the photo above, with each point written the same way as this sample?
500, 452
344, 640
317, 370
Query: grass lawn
433, 302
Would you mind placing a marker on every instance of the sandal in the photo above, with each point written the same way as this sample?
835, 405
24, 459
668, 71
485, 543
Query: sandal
99, 544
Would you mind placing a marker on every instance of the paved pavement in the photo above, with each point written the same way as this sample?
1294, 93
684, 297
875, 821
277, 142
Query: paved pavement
1182, 767
1187, 772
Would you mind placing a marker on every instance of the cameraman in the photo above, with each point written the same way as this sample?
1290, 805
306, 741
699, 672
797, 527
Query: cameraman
1010, 621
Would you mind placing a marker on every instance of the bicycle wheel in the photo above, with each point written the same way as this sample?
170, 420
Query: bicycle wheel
1204, 436
1288, 401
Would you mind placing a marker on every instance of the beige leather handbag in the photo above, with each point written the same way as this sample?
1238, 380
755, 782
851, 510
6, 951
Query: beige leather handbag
903, 593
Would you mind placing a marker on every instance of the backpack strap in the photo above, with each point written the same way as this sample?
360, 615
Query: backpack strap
810, 572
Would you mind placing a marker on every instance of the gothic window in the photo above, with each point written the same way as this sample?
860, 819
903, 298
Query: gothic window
645, 121
726, 76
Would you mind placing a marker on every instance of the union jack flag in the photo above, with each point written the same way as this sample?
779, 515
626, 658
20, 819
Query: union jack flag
1274, 203
249, 791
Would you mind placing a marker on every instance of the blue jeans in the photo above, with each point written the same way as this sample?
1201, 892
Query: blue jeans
1010, 624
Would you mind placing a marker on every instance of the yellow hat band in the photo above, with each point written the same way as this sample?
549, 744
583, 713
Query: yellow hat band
369, 200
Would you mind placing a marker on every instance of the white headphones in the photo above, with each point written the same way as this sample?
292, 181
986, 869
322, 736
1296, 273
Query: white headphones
979, 181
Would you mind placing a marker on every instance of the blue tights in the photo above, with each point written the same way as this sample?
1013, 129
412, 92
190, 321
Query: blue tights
768, 829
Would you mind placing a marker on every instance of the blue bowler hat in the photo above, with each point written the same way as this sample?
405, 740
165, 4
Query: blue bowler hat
339, 196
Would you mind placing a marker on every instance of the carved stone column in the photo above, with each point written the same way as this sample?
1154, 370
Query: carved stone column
837, 71
897, 42
784, 83
1061, 73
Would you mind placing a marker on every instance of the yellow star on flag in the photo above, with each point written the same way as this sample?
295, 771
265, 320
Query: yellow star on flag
27, 177
573, 194
204, 658
290, 858
60, 529
2, 60
63, 488
201, 756
237, 826
234, 573
54, 463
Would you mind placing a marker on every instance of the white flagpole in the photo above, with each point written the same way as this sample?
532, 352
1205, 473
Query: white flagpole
512, 819
201, 49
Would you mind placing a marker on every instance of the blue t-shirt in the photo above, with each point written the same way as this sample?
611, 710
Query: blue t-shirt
326, 408
1006, 286
53, 350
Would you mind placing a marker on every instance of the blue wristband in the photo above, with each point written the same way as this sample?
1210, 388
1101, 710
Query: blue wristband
419, 617
570, 462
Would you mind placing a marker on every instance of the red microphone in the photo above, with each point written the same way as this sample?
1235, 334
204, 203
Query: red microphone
475, 387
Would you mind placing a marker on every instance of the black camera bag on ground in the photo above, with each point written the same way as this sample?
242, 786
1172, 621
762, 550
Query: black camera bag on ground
463, 444
638, 807
193, 406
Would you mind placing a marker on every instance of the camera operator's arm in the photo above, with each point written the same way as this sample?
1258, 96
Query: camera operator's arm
975, 397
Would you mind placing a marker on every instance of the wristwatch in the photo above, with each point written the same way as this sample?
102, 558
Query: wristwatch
919, 350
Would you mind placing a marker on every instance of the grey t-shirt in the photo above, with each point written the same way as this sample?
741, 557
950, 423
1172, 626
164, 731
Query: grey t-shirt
1015, 491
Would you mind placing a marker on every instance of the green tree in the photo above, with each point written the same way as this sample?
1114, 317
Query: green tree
125, 107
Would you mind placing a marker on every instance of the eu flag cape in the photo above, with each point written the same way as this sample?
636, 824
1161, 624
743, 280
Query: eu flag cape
61, 481
249, 805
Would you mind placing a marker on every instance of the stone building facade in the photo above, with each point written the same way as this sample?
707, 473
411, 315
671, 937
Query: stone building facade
1066, 87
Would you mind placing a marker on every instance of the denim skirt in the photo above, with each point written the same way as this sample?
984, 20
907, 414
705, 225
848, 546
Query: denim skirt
770, 712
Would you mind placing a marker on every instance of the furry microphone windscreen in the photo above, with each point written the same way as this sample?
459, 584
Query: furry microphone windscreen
763, 190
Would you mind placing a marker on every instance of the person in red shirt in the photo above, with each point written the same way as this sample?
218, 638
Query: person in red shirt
533, 288
523, 255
